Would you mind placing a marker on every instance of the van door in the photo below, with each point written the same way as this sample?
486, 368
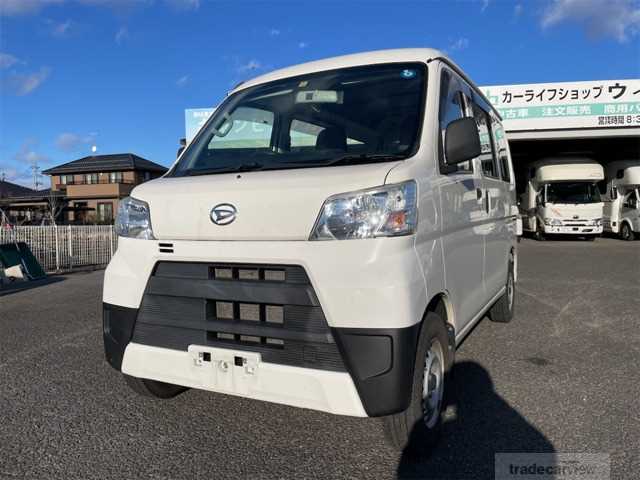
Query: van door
462, 214
496, 206
628, 209
612, 208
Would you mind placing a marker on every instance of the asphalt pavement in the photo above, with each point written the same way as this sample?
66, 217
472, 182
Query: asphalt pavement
562, 377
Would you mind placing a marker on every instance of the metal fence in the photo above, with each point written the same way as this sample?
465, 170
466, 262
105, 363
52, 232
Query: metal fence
65, 247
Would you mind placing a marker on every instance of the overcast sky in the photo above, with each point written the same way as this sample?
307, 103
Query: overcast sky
119, 73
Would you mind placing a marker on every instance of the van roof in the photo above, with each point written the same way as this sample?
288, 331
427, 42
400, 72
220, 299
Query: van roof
563, 160
360, 59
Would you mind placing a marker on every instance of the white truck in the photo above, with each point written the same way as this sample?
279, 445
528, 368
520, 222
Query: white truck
562, 198
622, 199
326, 240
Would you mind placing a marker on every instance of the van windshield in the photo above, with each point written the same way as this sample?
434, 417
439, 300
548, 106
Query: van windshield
338, 117
566, 192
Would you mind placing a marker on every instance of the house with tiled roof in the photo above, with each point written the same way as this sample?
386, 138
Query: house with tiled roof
92, 186
86, 190
8, 189
19, 204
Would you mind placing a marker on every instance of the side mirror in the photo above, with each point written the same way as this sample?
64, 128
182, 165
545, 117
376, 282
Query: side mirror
461, 141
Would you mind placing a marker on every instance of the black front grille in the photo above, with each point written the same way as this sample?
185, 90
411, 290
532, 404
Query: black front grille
269, 309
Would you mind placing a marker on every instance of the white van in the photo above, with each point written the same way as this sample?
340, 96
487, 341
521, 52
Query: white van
621, 195
325, 241
562, 198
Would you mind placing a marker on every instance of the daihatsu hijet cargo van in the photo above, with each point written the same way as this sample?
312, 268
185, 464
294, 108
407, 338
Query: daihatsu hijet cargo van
325, 241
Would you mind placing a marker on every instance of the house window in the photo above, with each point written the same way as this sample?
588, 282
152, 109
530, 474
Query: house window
115, 177
91, 178
105, 212
66, 179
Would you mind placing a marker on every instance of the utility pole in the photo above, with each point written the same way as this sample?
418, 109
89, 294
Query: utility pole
36, 175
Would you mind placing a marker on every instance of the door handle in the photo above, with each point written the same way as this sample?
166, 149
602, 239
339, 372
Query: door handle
479, 193
487, 200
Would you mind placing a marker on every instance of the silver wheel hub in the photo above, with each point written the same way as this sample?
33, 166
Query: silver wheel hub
433, 384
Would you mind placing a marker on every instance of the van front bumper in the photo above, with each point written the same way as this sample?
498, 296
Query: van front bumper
571, 230
377, 381
373, 299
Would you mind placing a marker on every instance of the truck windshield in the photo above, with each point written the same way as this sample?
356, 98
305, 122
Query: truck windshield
566, 192
338, 117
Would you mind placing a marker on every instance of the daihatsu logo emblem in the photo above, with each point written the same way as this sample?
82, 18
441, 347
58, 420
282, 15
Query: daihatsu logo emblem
223, 214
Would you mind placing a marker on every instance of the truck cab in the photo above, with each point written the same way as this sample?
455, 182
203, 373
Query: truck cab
562, 198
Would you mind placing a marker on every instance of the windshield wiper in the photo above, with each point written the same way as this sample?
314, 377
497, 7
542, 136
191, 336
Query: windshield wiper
349, 159
243, 167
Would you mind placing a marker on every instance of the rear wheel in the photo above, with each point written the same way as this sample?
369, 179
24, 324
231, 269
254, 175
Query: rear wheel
420, 424
502, 310
153, 388
626, 233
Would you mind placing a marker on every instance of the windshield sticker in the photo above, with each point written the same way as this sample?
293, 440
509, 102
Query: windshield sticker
407, 73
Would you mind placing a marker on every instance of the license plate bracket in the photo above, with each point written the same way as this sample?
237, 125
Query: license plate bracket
225, 370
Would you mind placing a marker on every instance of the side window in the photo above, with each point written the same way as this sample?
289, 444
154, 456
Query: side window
451, 108
602, 186
246, 128
500, 143
487, 157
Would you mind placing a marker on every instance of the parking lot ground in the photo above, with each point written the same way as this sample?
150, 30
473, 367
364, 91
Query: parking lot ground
563, 377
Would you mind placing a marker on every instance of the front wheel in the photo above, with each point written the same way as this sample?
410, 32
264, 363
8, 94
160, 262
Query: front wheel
153, 388
420, 423
626, 233
502, 310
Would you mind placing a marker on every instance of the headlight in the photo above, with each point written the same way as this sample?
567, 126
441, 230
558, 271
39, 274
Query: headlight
597, 222
554, 222
386, 211
133, 219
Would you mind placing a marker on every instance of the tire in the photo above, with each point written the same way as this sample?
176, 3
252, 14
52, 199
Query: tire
502, 310
626, 233
590, 238
153, 388
412, 428
539, 236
